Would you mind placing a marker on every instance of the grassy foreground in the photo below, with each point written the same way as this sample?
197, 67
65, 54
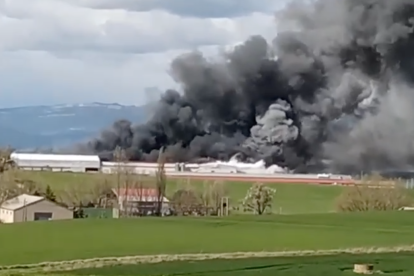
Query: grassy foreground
400, 264
78, 239
290, 198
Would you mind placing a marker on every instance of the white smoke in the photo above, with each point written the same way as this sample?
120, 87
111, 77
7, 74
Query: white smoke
235, 165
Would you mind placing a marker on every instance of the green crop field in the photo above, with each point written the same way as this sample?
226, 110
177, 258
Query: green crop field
290, 198
400, 264
304, 224
66, 240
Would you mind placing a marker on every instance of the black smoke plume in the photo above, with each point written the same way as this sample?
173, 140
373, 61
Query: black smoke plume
333, 90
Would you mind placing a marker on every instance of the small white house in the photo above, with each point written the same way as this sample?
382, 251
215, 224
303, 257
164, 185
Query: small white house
31, 208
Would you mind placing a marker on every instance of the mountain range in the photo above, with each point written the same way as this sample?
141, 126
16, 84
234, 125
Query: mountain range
34, 127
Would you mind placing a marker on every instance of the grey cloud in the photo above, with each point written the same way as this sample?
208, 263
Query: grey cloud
52, 46
34, 27
113, 36
199, 8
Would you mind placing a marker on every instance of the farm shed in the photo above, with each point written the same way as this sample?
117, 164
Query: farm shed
31, 208
56, 162
140, 201
136, 167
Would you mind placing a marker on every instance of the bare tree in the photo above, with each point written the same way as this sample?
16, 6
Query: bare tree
206, 197
259, 198
218, 191
160, 182
9, 187
138, 187
6, 163
129, 190
211, 196
75, 197
186, 201
101, 194
28, 186
120, 158
374, 194
8, 190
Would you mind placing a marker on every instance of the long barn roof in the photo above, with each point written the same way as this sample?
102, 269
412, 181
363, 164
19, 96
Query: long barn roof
53, 157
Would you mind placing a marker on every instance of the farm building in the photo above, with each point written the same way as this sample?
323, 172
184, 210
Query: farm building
56, 162
31, 208
141, 201
138, 167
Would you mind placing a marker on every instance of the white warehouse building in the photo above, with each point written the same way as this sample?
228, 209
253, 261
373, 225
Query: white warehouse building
56, 162
31, 208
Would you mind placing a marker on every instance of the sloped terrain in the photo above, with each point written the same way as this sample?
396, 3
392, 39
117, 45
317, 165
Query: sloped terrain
61, 125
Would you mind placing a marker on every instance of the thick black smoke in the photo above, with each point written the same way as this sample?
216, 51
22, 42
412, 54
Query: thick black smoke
333, 90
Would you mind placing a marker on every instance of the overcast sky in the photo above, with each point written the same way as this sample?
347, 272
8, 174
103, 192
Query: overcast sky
74, 51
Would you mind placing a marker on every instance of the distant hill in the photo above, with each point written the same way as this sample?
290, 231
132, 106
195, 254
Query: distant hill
61, 125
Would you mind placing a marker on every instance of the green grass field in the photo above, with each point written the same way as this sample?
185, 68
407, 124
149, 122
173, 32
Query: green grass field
65, 240
306, 223
400, 264
290, 198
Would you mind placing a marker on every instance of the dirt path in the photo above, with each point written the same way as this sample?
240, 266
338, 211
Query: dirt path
110, 261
